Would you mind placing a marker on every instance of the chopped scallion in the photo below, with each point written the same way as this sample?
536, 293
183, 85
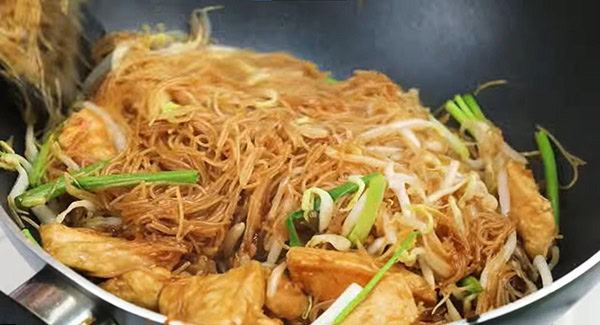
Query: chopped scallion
29, 236
471, 284
335, 194
40, 162
366, 219
550, 172
48, 191
474, 106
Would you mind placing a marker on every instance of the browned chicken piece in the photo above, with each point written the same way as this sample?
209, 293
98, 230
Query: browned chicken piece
289, 301
236, 297
391, 303
140, 287
326, 274
530, 210
86, 138
102, 256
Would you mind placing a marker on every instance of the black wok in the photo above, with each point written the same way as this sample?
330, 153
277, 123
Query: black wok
549, 51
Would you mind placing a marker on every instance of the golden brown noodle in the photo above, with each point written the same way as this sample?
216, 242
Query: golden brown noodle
245, 121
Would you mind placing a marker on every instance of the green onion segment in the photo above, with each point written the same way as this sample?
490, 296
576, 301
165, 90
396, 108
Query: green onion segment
335, 193
550, 172
367, 216
40, 162
375, 279
44, 193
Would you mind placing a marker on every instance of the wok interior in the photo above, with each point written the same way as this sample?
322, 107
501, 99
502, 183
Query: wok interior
547, 86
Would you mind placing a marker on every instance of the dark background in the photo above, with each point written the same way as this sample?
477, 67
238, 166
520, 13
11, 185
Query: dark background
549, 51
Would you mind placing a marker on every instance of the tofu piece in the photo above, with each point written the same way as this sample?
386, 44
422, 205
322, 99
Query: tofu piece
86, 138
233, 298
289, 301
141, 287
391, 302
530, 211
102, 256
326, 274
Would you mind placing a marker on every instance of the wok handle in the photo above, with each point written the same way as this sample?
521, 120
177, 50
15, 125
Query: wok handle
49, 296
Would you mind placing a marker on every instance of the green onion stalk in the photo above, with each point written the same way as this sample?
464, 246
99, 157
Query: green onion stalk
471, 284
40, 163
468, 113
550, 172
44, 193
335, 193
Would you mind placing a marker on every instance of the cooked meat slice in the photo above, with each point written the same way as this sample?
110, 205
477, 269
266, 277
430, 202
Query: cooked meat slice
326, 274
391, 302
102, 256
86, 138
530, 210
140, 287
236, 297
289, 301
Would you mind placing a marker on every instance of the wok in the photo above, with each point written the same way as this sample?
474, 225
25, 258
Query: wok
547, 50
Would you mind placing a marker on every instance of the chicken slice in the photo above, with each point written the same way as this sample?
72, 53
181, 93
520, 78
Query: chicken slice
289, 301
140, 287
232, 298
86, 138
391, 302
326, 274
530, 211
102, 256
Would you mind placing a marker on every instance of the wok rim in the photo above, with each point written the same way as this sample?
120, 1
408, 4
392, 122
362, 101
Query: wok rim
115, 301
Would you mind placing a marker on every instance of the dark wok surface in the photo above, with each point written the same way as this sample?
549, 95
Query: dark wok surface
549, 52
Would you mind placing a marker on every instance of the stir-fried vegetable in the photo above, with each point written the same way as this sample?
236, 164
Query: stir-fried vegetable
376, 278
41, 162
453, 140
464, 109
325, 206
573, 160
474, 107
9, 160
328, 317
28, 235
48, 191
549, 171
338, 242
542, 266
289, 223
361, 188
471, 285
335, 193
366, 219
